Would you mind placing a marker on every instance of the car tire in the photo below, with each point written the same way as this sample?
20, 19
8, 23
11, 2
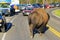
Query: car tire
23, 14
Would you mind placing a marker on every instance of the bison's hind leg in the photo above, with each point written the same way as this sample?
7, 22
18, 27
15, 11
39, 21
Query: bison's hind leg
41, 29
31, 30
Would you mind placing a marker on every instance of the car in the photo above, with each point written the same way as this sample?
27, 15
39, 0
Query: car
12, 10
27, 11
30, 5
52, 5
2, 23
40, 5
5, 9
22, 6
37, 5
57, 4
47, 6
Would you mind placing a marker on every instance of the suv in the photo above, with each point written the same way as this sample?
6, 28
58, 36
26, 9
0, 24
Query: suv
4, 8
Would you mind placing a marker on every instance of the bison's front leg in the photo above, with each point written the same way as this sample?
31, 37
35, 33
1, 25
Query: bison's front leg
31, 30
41, 30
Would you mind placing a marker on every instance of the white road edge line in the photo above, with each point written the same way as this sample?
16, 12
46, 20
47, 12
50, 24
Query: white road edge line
3, 38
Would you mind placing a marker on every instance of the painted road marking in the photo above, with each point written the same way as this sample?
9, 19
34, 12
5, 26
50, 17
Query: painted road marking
3, 38
55, 32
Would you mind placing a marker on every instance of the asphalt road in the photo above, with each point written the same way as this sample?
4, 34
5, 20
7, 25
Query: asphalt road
20, 30
54, 21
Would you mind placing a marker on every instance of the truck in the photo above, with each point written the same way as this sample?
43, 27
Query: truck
5, 7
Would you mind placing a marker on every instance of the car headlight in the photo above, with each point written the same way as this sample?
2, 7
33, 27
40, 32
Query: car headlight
27, 13
0, 20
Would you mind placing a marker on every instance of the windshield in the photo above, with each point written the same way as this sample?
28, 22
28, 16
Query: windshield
5, 5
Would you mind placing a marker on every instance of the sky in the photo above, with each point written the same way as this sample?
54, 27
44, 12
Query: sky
5, 1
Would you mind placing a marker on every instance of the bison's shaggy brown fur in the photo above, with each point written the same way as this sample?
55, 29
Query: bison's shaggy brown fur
37, 19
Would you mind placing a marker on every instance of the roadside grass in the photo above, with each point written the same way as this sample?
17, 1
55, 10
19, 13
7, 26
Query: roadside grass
57, 12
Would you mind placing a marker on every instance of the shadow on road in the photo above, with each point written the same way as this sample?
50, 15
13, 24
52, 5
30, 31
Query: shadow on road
43, 30
7, 27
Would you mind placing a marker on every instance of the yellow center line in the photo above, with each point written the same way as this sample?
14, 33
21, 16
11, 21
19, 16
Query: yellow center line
54, 31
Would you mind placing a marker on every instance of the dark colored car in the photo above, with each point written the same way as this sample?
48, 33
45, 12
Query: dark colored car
52, 5
2, 23
12, 10
40, 5
37, 5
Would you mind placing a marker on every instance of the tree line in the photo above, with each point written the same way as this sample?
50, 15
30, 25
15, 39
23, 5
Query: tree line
37, 1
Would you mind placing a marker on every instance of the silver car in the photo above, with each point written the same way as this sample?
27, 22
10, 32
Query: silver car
5, 9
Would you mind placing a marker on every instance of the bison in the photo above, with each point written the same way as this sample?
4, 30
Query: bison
37, 19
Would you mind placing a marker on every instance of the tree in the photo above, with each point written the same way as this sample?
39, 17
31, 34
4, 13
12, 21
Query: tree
32, 1
40, 1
